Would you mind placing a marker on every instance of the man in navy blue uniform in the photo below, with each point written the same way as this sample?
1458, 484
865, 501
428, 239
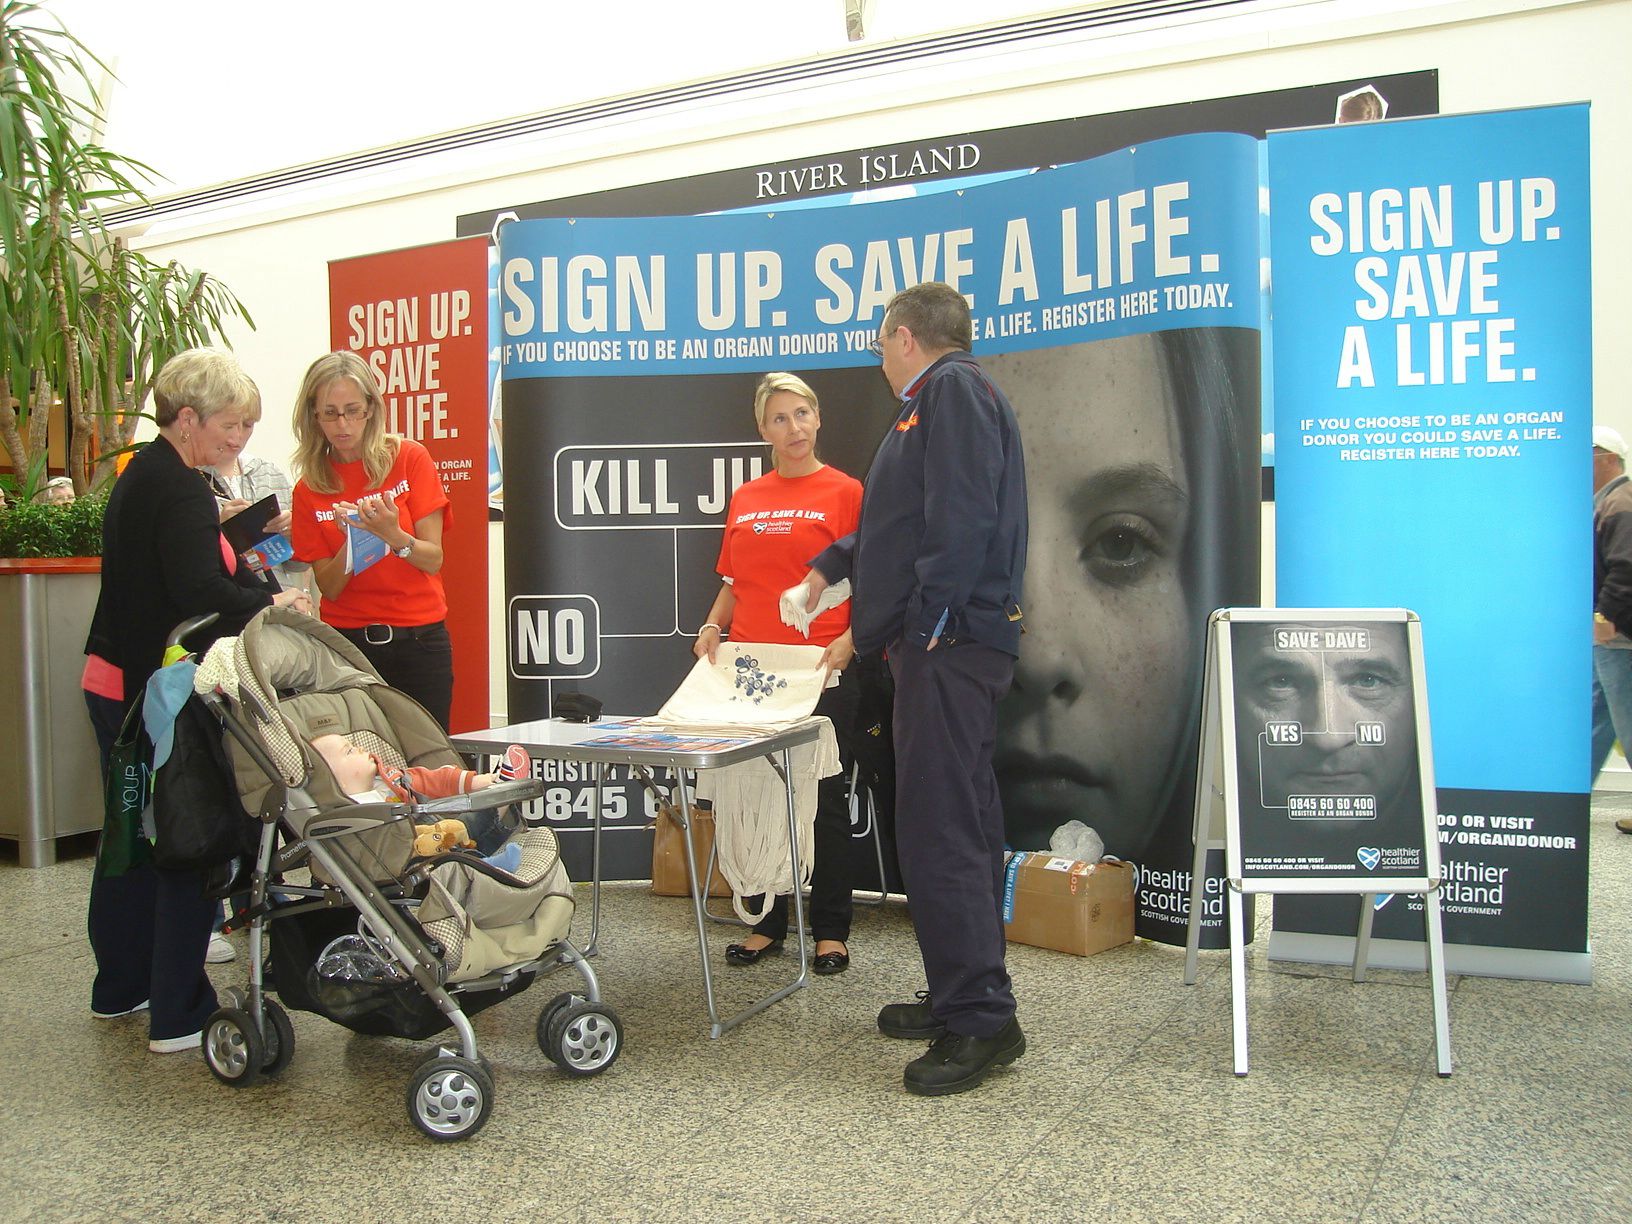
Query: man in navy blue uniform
936, 568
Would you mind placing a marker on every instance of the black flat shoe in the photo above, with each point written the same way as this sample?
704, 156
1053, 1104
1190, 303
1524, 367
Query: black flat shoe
738, 954
829, 963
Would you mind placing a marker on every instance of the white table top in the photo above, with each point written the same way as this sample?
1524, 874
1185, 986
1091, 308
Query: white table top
613, 740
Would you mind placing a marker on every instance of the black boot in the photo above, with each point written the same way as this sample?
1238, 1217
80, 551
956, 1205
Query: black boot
956, 1063
913, 1021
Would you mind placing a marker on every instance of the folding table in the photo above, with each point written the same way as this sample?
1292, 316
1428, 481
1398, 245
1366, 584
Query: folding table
616, 741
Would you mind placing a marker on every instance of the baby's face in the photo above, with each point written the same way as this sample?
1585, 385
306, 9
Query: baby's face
353, 768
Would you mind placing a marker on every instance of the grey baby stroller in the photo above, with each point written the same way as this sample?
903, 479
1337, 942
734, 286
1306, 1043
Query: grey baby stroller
382, 940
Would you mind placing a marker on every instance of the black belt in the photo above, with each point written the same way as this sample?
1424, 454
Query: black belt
384, 635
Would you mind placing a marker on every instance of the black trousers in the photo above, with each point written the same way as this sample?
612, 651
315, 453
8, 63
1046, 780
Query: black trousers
418, 660
949, 826
149, 927
832, 875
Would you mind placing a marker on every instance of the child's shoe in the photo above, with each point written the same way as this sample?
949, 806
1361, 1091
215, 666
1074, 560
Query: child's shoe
515, 765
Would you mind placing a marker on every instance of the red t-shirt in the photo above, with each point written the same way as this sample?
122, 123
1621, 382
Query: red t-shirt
391, 591
773, 527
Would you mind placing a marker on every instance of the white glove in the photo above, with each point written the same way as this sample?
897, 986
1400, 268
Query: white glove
794, 600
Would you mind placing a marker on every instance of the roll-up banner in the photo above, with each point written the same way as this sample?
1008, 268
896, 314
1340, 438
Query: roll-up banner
419, 318
1432, 338
1117, 303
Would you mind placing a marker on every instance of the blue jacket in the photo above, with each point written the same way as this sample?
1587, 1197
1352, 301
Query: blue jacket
943, 520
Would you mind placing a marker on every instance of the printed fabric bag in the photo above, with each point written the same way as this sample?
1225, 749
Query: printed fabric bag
128, 789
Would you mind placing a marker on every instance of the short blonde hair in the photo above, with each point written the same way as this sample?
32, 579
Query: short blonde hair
207, 380
779, 381
312, 463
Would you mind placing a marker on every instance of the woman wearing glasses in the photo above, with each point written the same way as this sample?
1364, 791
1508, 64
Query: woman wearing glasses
380, 582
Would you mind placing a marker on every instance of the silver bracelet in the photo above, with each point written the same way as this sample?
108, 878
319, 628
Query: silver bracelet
709, 625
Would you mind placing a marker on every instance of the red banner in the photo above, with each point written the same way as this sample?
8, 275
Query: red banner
419, 318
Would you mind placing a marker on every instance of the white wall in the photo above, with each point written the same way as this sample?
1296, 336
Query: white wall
1490, 54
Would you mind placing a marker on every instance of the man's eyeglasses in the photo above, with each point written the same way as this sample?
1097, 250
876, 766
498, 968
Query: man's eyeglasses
876, 344
356, 412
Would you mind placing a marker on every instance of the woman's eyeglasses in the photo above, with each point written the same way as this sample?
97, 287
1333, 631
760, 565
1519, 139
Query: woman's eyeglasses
356, 412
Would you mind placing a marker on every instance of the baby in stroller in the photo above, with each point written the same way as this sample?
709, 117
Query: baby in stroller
331, 758
366, 778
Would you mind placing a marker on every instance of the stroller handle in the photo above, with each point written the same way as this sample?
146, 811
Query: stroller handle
189, 627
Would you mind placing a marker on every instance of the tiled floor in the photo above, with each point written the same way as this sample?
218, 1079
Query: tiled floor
1124, 1108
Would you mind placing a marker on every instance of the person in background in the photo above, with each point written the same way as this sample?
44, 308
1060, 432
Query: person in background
1611, 599
1363, 105
772, 527
58, 491
244, 480
937, 566
165, 561
239, 481
351, 473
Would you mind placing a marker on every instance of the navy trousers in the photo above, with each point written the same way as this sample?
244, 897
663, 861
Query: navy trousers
149, 928
949, 826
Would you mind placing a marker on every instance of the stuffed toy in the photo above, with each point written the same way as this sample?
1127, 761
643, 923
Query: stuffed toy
441, 837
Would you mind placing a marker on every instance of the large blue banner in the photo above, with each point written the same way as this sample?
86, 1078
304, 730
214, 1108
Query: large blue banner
1432, 342
1162, 236
1117, 302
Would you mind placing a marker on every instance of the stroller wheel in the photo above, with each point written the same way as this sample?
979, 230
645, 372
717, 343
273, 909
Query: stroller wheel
585, 1038
450, 1097
233, 1048
279, 1038
555, 1007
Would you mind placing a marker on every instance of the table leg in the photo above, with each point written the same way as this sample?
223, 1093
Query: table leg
798, 888
719, 1026
593, 945
697, 899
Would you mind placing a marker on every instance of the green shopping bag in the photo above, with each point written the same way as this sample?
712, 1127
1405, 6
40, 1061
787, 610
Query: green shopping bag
128, 792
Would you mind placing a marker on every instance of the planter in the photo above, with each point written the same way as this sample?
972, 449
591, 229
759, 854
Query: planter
51, 781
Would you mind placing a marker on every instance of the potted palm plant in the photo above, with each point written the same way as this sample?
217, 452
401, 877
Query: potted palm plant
85, 323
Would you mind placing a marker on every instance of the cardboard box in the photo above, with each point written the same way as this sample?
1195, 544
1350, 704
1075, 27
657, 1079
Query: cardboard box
1071, 906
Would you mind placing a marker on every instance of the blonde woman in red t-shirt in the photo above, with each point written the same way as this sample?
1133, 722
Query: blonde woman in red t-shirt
351, 472
773, 527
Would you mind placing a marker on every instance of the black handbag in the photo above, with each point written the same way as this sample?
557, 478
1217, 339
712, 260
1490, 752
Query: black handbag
198, 818
127, 790
576, 707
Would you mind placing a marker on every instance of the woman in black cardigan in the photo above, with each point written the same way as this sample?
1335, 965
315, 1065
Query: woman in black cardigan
164, 560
